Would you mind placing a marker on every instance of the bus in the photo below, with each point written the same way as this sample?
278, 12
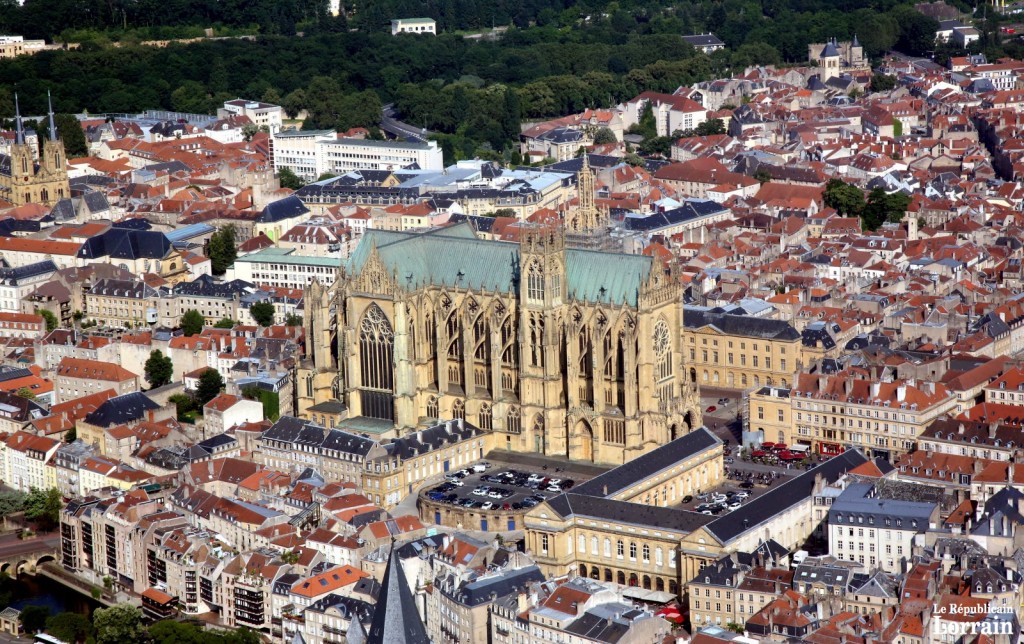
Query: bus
43, 638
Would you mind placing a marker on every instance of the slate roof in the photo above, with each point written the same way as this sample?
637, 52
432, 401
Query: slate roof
741, 325
620, 478
14, 274
692, 209
123, 288
123, 243
648, 516
289, 429
431, 439
455, 257
207, 286
121, 409
776, 500
395, 617
858, 500
63, 210
703, 40
479, 591
287, 208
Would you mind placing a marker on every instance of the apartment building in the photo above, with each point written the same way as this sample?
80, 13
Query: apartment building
297, 151
78, 377
25, 457
740, 351
769, 417
875, 528
344, 155
263, 115
737, 586
122, 303
286, 268
884, 419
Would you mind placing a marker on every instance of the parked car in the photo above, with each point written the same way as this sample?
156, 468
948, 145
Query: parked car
747, 484
487, 506
734, 505
687, 498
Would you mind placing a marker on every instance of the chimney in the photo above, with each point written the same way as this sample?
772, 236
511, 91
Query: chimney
960, 430
992, 428
604, 489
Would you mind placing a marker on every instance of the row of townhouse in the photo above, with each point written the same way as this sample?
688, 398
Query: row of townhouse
387, 470
827, 414
28, 461
132, 303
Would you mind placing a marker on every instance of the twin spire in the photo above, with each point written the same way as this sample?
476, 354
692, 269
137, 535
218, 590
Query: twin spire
19, 125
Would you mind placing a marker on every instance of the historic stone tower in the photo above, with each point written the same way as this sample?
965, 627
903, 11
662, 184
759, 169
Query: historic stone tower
24, 180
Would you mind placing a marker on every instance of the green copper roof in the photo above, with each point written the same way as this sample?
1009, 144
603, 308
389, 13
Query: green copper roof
455, 257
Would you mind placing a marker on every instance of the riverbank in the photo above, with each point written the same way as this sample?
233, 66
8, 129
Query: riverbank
68, 581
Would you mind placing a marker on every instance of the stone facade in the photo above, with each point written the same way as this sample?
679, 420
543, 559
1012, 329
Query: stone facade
567, 352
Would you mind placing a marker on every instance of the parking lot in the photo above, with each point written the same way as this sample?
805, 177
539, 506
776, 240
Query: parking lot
497, 487
742, 485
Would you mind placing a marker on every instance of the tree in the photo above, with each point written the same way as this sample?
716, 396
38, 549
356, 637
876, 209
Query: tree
882, 82
882, 207
710, 127
289, 179
71, 134
159, 369
192, 322
293, 320
848, 200
184, 405
294, 103
118, 624
43, 507
263, 313
604, 136
210, 385
249, 130
70, 627
25, 392
11, 501
71, 435
51, 319
33, 618
222, 249
225, 323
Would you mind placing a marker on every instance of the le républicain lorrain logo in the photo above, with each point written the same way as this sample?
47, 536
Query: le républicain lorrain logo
956, 621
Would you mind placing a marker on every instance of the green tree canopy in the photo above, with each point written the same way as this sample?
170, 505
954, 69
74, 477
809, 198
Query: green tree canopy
293, 320
881, 208
51, 319
43, 507
882, 82
70, 131
289, 179
210, 385
263, 313
192, 322
159, 369
225, 323
847, 199
118, 624
33, 618
222, 249
69, 627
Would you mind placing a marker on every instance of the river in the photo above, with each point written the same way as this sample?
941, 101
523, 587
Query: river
43, 591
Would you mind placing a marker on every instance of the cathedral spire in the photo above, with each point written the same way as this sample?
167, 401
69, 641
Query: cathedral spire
53, 126
19, 127
395, 618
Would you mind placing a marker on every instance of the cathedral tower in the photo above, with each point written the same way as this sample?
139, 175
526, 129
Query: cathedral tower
24, 180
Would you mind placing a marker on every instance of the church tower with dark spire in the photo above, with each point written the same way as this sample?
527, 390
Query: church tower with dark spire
27, 177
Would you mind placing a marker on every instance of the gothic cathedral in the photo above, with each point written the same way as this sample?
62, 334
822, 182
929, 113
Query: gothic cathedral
563, 351
24, 178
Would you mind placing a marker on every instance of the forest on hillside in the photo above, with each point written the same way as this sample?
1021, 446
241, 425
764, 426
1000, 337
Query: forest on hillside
557, 57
